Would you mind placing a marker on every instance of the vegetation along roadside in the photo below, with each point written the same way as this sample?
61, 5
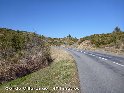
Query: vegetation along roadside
60, 77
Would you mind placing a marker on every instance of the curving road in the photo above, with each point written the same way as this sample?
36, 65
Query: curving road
99, 73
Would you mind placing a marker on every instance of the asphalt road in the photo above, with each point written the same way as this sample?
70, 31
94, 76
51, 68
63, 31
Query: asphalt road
99, 73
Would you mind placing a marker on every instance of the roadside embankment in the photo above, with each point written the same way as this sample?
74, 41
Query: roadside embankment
60, 77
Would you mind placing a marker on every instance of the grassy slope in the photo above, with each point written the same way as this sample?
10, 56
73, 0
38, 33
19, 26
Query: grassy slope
61, 73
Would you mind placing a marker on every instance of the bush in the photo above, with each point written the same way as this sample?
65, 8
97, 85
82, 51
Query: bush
21, 53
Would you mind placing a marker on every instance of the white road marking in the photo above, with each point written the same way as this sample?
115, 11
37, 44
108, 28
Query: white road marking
114, 62
121, 65
103, 58
118, 64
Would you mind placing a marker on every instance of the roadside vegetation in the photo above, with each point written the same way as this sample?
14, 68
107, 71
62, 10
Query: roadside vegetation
29, 60
67, 41
113, 42
21, 53
60, 77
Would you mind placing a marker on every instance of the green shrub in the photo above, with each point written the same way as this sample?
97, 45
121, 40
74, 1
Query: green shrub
21, 53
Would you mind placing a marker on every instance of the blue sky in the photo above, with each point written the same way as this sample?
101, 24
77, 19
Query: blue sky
58, 18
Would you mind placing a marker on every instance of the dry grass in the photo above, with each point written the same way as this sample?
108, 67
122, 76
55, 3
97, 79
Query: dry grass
61, 73
58, 54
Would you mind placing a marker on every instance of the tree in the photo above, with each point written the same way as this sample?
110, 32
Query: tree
117, 29
42, 37
69, 36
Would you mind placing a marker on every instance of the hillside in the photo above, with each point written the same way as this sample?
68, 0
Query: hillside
26, 52
66, 41
21, 53
28, 61
111, 41
62, 73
